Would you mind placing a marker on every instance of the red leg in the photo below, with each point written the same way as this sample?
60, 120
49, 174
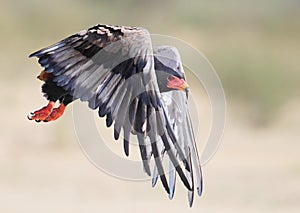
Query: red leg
42, 114
56, 113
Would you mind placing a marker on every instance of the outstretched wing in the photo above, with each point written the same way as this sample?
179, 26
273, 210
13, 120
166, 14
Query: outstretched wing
112, 67
178, 120
176, 107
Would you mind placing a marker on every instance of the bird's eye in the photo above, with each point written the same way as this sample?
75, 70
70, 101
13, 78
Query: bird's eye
170, 78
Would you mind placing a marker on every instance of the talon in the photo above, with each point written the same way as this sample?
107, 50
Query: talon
42, 114
56, 113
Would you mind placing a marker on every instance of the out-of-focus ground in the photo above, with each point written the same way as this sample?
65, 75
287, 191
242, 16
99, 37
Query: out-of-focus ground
253, 45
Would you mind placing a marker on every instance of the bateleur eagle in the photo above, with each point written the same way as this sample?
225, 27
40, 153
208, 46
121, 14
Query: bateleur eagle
140, 88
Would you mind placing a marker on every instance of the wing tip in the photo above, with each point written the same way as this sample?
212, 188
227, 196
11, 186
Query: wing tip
35, 54
165, 183
199, 190
154, 181
126, 147
172, 192
191, 198
116, 134
109, 120
155, 176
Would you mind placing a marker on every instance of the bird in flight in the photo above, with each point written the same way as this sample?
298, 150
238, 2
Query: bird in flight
139, 88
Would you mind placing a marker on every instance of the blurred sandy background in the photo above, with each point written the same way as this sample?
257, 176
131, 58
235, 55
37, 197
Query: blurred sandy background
253, 45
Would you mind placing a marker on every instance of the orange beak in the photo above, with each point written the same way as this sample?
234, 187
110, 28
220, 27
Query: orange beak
177, 83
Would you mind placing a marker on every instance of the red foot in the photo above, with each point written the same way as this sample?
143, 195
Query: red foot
56, 113
41, 114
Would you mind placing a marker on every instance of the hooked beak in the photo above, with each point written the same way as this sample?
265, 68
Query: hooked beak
177, 84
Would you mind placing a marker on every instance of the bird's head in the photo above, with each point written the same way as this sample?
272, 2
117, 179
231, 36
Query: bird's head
177, 83
169, 70
168, 82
